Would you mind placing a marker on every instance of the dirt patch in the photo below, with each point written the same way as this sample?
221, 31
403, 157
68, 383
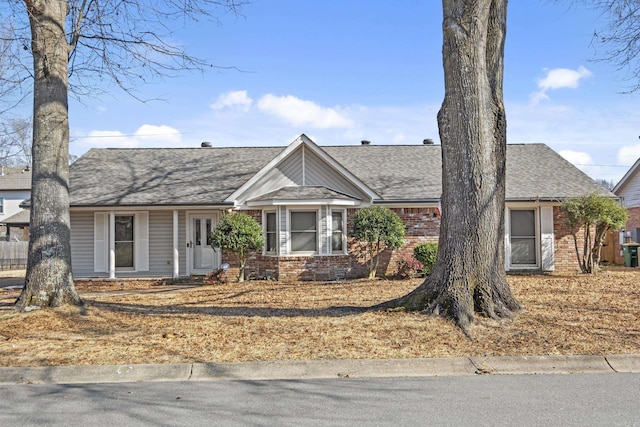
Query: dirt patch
148, 322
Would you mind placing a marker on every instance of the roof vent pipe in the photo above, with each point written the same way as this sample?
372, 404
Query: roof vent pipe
365, 142
205, 144
427, 141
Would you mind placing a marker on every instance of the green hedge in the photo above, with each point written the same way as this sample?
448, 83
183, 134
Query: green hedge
426, 254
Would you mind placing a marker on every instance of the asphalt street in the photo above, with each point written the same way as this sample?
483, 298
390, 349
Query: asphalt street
609, 399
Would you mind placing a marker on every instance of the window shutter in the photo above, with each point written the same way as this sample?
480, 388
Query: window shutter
100, 242
547, 238
142, 241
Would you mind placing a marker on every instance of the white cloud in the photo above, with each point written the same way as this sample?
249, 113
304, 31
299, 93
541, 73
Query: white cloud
300, 112
398, 138
559, 78
628, 154
145, 136
107, 138
235, 99
585, 163
158, 134
578, 158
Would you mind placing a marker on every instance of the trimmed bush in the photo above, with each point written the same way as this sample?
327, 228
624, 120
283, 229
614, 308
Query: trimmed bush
377, 228
238, 233
426, 253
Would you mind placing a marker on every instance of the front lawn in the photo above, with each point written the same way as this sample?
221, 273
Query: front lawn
262, 320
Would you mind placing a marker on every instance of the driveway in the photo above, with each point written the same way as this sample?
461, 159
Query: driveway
12, 279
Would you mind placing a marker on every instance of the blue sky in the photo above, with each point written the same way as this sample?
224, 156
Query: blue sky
343, 71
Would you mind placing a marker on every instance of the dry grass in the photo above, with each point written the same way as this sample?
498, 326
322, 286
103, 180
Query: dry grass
274, 321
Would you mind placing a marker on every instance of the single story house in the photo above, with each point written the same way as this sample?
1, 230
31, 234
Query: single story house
628, 190
15, 187
149, 212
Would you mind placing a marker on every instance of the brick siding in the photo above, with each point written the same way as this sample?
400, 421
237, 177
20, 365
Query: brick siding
421, 225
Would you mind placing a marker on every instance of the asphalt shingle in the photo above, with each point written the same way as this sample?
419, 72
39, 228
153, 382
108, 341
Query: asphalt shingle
15, 178
206, 176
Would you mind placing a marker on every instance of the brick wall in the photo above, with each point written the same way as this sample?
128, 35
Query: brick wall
421, 225
565, 258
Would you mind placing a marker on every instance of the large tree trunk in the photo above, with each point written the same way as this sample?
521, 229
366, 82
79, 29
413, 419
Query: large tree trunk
469, 274
49, 282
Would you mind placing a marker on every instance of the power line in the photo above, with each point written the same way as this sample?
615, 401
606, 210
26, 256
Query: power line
132, 135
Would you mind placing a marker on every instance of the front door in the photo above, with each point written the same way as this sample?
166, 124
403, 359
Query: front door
202, 257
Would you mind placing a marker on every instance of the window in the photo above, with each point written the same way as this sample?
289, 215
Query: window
337, 231
198, 229
1, 205
130, 241
271, 234
523, 238
124, 241
304, 231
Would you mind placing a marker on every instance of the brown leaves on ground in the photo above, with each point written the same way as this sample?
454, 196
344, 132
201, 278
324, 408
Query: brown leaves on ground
135, 322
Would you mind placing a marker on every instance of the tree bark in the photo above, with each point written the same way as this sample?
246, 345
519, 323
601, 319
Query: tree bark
49, 281
469, 274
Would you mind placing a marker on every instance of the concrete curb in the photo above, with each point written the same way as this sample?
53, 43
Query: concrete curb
315, 369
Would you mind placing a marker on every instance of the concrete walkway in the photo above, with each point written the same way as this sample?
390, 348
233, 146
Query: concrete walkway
313, 369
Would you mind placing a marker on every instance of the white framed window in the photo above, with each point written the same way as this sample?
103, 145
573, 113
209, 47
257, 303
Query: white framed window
270, 221
130, 241
338, 228
303, 231
1, 205
523, 237
124, 241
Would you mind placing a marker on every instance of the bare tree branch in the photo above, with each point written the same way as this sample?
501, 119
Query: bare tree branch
620, 39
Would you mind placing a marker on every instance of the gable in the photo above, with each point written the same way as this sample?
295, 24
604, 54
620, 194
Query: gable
629, 192
303, 166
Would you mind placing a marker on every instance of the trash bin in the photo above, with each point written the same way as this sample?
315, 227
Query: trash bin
630, 251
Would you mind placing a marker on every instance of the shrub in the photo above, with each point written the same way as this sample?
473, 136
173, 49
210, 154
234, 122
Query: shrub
426, 253
377, 228
217, 276
408, 267
238, 233
592, 216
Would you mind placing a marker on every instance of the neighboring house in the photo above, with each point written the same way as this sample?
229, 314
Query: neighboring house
15, 187
149, 212
628, 190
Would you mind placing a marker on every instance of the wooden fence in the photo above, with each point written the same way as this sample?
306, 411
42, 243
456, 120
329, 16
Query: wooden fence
13, 255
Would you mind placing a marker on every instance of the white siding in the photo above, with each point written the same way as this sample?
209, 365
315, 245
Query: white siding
302, 167
82, 245
324, 241
286, 173
317, 172
283, 231
11, 202
631, 192
160, 245
546, 238
141, 241
100, 242
182, 242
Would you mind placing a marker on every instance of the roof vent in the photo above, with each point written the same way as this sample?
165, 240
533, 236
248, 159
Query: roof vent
365, 142
427, 141
205, 144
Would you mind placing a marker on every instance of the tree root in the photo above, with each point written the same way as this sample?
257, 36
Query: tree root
492, 299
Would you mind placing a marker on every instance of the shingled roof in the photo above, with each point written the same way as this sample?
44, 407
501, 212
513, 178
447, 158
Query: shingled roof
15, 179
206, 176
